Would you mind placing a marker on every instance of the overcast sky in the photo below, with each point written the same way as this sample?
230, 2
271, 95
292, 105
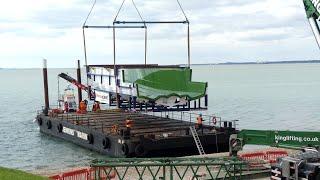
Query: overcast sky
221, 31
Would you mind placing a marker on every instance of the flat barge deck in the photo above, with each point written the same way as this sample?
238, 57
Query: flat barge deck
150, 135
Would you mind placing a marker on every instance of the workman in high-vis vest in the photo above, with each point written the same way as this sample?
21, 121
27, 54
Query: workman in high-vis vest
128, 124
83, 107
199, 122
96, 107
66, 107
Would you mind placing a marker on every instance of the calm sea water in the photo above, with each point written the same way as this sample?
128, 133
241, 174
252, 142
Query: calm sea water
282, 96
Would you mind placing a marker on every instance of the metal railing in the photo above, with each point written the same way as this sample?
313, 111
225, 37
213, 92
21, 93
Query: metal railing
183, 116
169, 168
191, 117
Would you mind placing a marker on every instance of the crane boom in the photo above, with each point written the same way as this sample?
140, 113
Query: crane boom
73, 81
286, 139
305, 165
312, 8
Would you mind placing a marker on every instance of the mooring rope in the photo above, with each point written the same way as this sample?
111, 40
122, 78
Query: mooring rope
134, 4
84, 41
142, 20
115, 18
183, 11
94, 3
145, 32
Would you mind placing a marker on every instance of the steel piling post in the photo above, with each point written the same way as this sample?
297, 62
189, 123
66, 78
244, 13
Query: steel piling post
188, 42
45, 85
79, 80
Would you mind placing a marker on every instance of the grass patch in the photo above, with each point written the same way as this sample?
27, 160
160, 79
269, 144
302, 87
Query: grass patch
12, 174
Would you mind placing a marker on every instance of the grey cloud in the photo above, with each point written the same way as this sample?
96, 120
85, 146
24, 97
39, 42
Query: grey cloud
60, 18
266, 37
25, 30
203, 15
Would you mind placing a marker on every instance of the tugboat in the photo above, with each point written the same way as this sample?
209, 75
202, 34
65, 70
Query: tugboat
151, 108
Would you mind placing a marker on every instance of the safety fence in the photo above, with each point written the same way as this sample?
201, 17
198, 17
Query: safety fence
173, 168
191, 117
259, 159
81, 174
169, 168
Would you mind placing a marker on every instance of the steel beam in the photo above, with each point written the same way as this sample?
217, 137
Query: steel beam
116, 27
151, 22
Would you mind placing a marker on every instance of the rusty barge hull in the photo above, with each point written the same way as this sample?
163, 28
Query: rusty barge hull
150, 136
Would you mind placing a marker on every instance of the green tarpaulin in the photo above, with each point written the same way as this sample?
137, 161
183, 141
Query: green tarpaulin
153, 84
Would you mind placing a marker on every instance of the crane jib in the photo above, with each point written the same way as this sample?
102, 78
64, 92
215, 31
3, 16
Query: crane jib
312, 8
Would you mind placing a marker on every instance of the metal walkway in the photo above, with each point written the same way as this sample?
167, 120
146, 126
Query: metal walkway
169, 168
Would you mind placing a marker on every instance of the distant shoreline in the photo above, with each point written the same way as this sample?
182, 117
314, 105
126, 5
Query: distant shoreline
274, 62
266, 62
212, 64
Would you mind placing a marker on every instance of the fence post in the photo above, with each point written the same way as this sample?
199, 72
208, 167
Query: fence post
234, 171
171, 172
95, 173
88, 174
240, 171
164, 172
99, 173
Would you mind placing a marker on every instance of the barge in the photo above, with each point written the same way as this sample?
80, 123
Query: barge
157, 99
150, 136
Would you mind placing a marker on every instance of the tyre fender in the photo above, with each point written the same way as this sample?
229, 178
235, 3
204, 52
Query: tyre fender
125, 149
106, 143
90, 138
40, 121
140, 150
49, 124
59, 127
